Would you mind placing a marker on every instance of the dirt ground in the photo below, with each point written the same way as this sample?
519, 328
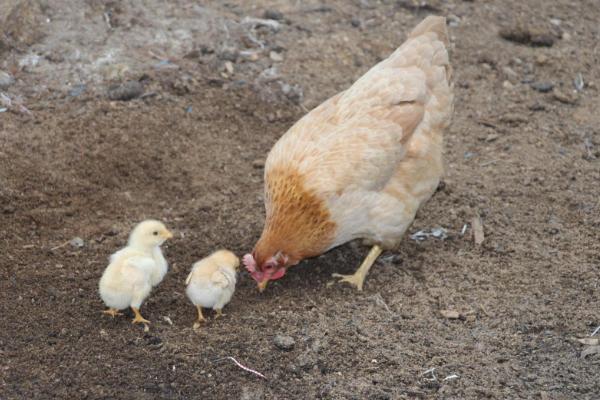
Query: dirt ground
213, 92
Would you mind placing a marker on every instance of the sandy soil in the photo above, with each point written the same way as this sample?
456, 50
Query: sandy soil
212, 91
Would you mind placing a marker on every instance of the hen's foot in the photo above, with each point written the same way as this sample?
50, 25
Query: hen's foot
358, 278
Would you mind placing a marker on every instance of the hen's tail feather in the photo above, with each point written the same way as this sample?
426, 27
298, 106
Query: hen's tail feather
433, 24
437, 26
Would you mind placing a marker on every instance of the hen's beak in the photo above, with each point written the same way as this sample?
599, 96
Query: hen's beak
167, 235
262, 285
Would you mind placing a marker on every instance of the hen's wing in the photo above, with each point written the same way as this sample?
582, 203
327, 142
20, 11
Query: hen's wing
357, 138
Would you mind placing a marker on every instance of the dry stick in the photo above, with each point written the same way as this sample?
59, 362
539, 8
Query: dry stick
378, 299
477, 226
450, 377
595, 331
243, 367
60, 245
485, 164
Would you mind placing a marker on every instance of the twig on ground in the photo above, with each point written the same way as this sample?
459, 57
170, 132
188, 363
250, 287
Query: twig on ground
242, 366
380, 302
477, 225
430, 371
60, 245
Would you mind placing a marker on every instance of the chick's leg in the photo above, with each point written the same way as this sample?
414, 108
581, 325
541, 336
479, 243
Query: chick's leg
113, 312
219, 313
200, 316
138, 317
358, 278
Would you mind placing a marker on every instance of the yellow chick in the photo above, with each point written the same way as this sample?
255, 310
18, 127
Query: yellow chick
134, 270
212, 282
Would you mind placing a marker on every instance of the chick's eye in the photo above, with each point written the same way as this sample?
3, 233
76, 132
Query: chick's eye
155, 233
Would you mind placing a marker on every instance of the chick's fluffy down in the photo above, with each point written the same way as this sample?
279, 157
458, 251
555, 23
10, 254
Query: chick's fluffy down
212, 281
126, 281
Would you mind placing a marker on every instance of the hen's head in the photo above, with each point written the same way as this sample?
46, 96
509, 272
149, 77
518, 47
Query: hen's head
271, 269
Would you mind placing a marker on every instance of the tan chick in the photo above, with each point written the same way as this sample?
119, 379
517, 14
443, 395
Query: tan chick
212, 282
134, 270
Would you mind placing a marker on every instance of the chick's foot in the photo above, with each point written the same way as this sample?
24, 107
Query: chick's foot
113, 312
138, 317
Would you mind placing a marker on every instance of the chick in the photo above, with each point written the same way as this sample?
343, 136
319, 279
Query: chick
134, 270
212, 282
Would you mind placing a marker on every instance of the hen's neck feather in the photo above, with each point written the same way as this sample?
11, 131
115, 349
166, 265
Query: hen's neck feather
298, 222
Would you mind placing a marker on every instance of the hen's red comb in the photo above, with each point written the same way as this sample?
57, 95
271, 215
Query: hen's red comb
249, 263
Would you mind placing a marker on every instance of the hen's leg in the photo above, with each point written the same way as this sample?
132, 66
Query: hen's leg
219, 313
138, 317
358, 278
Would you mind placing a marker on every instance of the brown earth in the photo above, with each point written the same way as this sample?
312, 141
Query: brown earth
189, 152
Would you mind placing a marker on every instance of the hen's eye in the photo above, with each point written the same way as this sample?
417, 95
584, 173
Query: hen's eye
155, 233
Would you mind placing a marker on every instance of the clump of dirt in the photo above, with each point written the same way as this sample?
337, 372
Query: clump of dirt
220, 82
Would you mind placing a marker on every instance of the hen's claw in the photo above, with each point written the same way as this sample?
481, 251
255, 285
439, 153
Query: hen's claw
358, 278
355, 280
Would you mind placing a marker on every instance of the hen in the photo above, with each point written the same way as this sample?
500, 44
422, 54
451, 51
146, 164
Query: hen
361, 164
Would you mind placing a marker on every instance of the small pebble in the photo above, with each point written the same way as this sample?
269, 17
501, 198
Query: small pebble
565, 97
453, 20
541, 59
450, 314
6, 80
229, 54
250, 55
285, 343
293, 93
527, 36
77, 90
277, 57
113, 231
543, 87
258, 164
273, 14
77, 242
126, 91
578, 82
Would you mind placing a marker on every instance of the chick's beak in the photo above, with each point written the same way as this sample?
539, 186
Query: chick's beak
167, 234
262, 285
